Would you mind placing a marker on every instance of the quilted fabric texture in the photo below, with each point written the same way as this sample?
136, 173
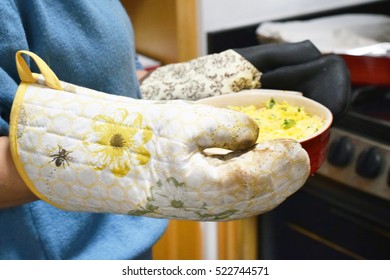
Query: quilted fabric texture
83, 150
207, 76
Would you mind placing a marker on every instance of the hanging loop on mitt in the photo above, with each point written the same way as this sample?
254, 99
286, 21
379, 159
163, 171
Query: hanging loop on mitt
27, 76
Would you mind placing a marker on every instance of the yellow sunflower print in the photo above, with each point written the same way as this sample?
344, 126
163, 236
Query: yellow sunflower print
117, 142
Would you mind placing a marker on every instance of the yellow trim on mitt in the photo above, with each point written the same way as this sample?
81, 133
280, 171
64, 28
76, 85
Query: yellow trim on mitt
27, 78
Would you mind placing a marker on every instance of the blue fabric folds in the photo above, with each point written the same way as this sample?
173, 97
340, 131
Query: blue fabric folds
88, 43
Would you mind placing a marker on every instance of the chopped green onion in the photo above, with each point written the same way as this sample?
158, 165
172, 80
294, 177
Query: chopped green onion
271, 103
288, 123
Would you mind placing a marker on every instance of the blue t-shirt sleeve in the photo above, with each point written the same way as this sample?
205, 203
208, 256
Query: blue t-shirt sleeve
87, 43
109, 68
8, 89
13, 38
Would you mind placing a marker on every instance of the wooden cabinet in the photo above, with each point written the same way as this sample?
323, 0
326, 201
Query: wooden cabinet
165, 30
237, 240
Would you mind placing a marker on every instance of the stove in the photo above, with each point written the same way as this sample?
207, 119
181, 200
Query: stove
343, 210
359, 150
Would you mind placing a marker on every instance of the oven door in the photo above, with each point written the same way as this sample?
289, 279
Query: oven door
326, 220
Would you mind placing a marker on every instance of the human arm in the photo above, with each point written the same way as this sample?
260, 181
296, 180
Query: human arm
52, 41
141, 74
13, 191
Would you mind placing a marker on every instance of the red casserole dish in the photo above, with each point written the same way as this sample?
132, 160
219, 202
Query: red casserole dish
369, 65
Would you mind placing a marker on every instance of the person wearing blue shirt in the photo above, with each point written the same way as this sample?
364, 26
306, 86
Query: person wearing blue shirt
91, 44
88, 43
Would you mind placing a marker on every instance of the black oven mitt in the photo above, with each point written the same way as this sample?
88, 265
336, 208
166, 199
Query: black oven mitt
288, 66
301, 67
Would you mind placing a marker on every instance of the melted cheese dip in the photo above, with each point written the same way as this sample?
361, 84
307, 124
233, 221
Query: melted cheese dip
282, 120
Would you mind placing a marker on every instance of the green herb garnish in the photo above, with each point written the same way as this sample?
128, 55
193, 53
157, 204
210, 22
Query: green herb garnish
288, 123
271, 103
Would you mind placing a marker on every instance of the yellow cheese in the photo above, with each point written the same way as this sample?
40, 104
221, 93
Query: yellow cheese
282, 120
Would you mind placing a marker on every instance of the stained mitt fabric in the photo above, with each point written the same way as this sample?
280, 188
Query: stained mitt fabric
88, 151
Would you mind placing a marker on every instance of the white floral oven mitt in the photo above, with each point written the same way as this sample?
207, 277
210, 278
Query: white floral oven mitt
83, 150
206, 76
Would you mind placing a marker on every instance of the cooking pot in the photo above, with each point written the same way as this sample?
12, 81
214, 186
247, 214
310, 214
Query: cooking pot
315, 145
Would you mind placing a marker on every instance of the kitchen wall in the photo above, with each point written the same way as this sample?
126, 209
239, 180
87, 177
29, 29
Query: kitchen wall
217, 15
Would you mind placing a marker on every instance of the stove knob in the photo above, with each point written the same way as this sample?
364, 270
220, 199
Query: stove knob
370, 163
341, 151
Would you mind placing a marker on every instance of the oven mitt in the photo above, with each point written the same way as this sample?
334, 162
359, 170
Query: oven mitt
206, 76
84, 150
286, 66
301, 67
